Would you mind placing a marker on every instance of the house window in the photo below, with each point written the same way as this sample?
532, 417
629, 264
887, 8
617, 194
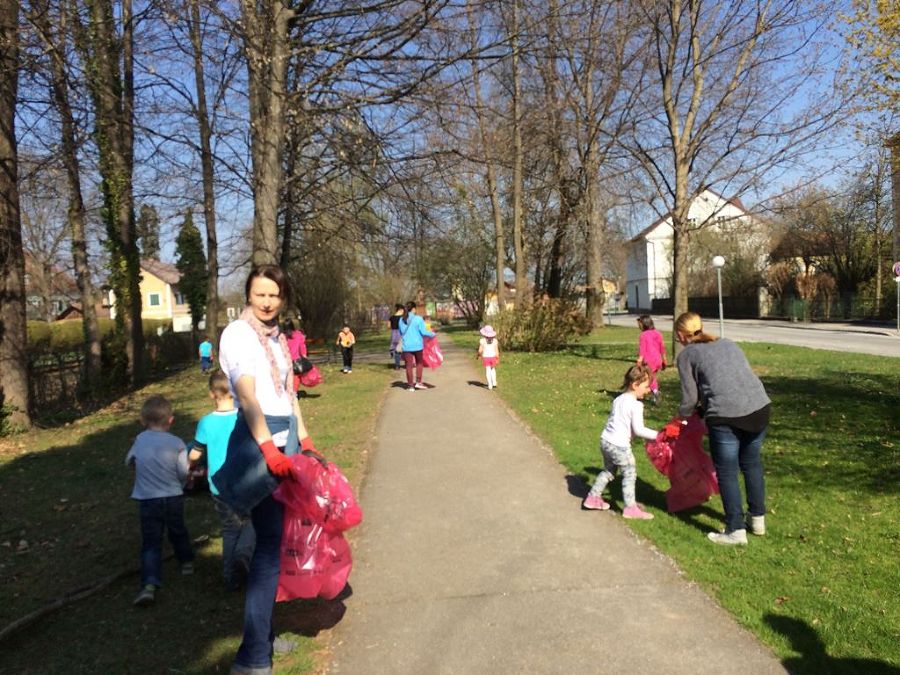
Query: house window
154, 299
179, 298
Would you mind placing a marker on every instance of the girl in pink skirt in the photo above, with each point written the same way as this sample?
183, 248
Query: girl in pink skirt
489, 351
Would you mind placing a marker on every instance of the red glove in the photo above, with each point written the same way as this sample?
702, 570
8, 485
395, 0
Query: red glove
277, 462
307, 444
673, 429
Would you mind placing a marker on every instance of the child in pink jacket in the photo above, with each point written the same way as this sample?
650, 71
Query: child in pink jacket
651, 352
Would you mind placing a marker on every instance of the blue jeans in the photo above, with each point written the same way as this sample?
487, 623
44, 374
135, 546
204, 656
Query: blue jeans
262, 584
238, 541
734, 449
156, 515
205, 363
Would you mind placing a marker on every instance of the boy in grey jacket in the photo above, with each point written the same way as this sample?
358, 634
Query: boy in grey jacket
160, 462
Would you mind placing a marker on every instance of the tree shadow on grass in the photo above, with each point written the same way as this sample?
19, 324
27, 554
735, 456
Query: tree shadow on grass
594, 352
69, 522
814, 659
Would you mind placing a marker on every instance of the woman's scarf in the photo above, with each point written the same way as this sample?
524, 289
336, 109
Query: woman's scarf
264, 332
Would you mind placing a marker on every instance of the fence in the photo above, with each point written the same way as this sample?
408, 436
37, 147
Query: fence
850, 307
55, 378
733, 308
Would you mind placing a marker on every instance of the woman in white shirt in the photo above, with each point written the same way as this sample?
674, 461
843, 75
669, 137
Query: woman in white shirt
255, 356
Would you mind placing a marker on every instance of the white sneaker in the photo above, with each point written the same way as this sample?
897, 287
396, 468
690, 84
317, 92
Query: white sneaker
738, 537
756, 525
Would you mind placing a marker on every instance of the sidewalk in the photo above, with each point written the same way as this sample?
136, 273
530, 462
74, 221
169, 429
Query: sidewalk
475, 558
664, 322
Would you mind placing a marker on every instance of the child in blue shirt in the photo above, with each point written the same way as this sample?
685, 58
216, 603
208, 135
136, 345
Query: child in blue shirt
160, 463
213, 432
206, 355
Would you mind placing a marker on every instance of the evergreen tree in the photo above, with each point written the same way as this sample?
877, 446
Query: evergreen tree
191, 264
148, 231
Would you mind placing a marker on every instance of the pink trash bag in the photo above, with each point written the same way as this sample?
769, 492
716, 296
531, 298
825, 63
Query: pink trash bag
320, 492
314, 562
319, 506
431, 352
311, 377
691, 473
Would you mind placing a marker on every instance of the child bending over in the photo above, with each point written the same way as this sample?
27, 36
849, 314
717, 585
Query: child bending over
626, 420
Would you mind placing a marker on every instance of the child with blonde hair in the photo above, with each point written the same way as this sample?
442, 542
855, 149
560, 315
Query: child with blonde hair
160, 463
489, 351
626, 420
213, 432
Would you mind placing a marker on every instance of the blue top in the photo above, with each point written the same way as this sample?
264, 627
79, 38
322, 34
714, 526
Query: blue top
160, 465
413, 332
213, 431
206, 349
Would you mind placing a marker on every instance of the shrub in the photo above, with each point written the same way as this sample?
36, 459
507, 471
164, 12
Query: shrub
547, 326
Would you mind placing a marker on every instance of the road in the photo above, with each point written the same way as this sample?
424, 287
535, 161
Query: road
879, 341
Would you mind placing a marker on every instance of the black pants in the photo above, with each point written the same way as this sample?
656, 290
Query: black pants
347, 354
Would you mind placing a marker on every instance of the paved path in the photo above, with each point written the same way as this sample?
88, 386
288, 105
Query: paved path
475, 558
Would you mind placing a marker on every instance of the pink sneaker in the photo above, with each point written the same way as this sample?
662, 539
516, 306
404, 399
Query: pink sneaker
419, 385
594, 503
635, 512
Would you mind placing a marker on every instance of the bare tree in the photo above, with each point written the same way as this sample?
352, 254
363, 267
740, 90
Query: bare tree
523, 292
206, 160
109, 73
55, 42
13, 333
715, 107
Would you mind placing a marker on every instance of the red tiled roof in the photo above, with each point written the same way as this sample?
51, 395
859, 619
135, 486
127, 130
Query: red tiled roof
165, 271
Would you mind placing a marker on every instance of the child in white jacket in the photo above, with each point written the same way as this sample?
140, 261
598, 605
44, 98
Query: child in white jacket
626, 420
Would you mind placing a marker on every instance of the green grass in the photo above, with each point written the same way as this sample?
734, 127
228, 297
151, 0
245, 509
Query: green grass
821, 588
64, 491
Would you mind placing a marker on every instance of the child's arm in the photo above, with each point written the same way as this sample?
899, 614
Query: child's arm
195, 451
182, 467
637, 423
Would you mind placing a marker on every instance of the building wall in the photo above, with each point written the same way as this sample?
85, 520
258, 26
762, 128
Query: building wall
649, 266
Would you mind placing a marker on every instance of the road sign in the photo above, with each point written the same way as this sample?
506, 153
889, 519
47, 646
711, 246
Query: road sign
897, 269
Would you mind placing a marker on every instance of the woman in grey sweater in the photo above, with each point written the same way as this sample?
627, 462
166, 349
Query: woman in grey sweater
717, 381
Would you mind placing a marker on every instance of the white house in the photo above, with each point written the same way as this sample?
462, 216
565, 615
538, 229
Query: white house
648, 267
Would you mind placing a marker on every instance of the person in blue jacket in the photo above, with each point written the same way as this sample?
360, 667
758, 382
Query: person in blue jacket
412, 330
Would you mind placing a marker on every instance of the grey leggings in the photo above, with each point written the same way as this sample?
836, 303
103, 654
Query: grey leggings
616, 458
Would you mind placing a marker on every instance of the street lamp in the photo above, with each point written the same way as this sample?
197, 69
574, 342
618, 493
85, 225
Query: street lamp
897, 283
719, 262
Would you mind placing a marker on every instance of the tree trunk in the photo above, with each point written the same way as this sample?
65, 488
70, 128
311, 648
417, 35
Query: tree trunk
13, 327
209, 196
113, 100
595, 225
894, 145
126, 219
265, 45
499, 244
287, 232
491, 174
55, 46
523, 295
